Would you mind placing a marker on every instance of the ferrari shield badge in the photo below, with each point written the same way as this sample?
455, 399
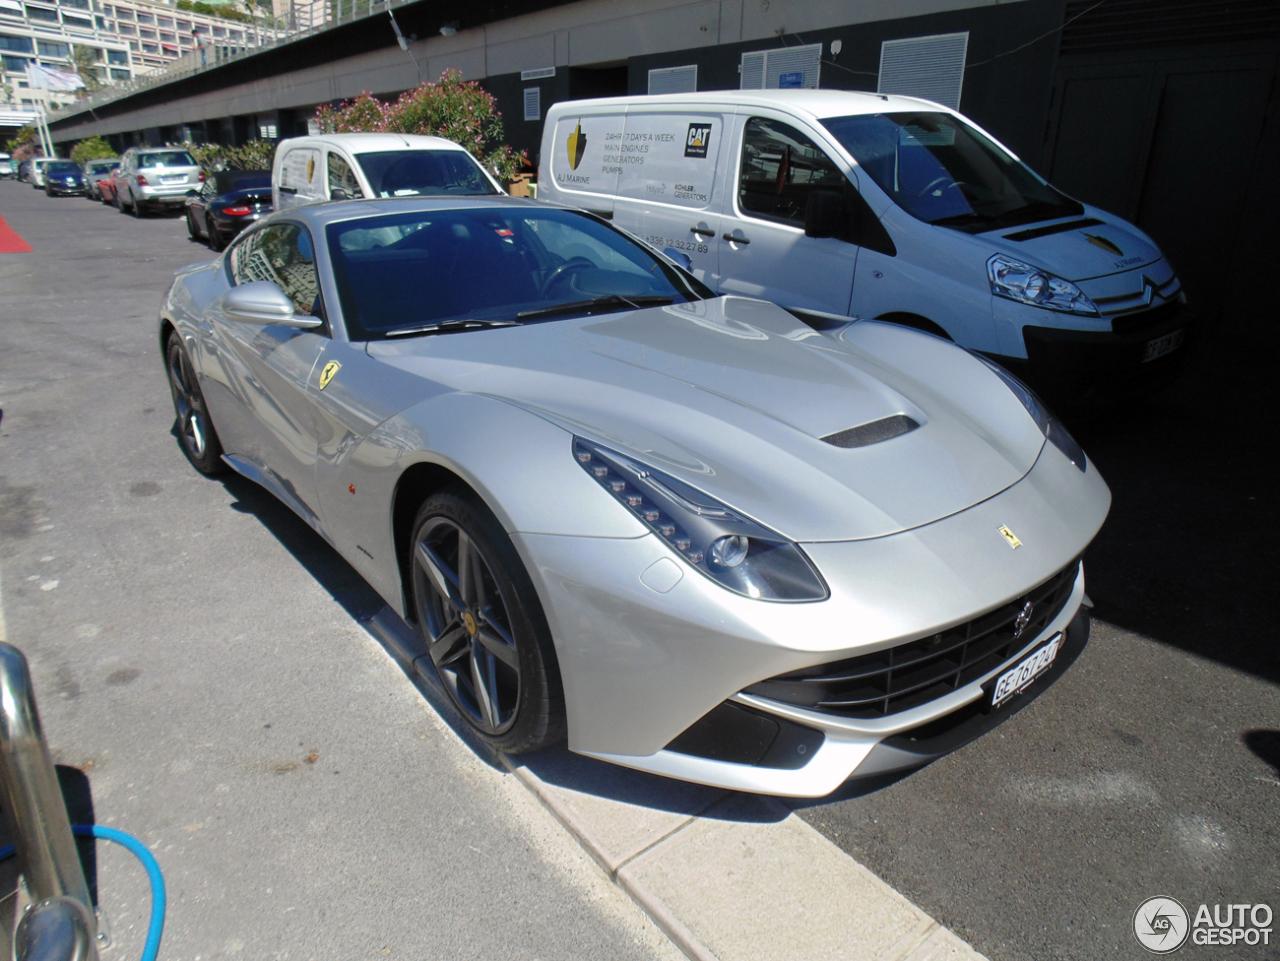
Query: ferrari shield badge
1007, 534
330, 369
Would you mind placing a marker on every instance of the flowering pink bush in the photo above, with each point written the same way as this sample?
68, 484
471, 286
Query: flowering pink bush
456, 109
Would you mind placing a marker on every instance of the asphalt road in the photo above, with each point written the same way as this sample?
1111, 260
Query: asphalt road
203, 676
1153, 766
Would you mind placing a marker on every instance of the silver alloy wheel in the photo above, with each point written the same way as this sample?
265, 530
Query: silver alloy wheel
188, 403
467, 625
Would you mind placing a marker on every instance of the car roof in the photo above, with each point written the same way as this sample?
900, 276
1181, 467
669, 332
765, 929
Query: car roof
320, 215
815, 103
357, 143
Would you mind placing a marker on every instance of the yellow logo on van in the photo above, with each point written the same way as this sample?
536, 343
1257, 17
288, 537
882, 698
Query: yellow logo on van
577, 144
1105, 244
311, 169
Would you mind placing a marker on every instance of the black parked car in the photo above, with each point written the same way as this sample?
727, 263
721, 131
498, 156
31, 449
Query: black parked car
229, 201
63, 177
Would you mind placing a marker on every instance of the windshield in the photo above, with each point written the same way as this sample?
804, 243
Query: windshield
945, 172
408, 270
424, 173
99, 166
167, 158
64, 168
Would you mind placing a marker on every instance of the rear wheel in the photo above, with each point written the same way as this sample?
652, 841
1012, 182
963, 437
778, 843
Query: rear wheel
135, 206
216, 242
484, 626
195, 428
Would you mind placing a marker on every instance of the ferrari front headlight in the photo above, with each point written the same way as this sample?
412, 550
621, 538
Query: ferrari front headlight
734, 551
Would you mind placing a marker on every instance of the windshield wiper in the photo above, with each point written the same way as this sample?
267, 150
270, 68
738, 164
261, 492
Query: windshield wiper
585, 306
451, 327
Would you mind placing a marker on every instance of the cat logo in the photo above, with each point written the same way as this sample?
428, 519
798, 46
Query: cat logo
1010, 536
326, 375
577, 145
1105, 244
697, 140
311, 169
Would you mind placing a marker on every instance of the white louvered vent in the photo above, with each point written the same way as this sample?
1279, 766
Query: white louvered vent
532, 103
781, 68
673, 80
928, 67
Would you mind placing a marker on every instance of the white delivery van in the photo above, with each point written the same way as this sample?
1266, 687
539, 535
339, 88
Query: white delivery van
355, 166
882, 207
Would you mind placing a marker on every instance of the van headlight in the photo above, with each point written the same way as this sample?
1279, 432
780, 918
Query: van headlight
1015, 280
732, 550
1049, 425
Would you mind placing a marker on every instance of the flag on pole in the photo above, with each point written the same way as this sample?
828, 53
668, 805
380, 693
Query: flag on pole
46, 78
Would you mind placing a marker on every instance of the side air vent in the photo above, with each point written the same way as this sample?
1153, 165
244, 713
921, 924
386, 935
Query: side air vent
886, 428
1090, 27
1035, 232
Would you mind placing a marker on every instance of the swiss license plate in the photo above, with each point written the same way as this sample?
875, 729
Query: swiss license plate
1162, 345
183, 180
1019, 677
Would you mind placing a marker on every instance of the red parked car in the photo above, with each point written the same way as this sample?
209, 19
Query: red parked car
107, 187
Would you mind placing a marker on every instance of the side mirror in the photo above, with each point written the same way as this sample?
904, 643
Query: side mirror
262, 302
824, 214
680, 257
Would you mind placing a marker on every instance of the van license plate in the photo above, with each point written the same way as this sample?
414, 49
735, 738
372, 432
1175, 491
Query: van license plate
1162, 345
1019, 678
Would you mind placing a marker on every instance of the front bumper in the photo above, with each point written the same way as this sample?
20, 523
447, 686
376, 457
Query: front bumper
1076, 366
640, 668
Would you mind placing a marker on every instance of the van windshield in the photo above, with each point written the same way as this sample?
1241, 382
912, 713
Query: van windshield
944, 172
424, 173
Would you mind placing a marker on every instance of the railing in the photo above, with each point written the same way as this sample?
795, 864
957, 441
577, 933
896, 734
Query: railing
189, 66
60, 924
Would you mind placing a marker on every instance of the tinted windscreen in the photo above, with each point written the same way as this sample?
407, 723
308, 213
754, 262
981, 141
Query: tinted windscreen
407, 270
423, 173
103, 167
166, 158
945, 172
67, 168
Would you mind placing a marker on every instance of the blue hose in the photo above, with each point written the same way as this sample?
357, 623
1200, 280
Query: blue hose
139, 850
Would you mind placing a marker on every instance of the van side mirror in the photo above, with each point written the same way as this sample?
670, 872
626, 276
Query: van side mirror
262, 302
824, 213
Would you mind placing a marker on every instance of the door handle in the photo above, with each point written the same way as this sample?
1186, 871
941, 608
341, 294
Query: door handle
703, 231
288, 190
737, 240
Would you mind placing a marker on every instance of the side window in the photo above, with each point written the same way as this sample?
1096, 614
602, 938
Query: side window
284, 255
780, 168
343, 184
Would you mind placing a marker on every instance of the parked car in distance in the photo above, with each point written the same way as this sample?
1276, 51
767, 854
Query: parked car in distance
229, 201
96, 170
6, 165
108, 187
355, 166
38, 166
710, 539
24, 171
156, 178
778, 193
64, 178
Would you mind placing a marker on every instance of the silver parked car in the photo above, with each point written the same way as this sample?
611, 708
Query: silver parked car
94, 172
707, 537
153, 178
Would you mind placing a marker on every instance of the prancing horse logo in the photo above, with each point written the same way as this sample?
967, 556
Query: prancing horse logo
1024, 618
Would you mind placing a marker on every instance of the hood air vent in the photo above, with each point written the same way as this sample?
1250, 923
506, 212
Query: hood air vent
886, 428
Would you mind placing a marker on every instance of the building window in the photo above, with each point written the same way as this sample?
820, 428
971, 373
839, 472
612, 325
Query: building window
532, 103
16, 64
165, 22
101, 22
16, 44
147, 32
219, 31
150, 48
168, 37
236, 35
78, 4
123, 14
169, 51
51, 48
118, 57
781, 68
146, 18
928, 67
674, 79
76, 22
38, 13
184, 24
127, 29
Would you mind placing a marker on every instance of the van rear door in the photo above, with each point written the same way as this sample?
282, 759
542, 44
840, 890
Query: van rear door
301, 180
669, 162
763, 248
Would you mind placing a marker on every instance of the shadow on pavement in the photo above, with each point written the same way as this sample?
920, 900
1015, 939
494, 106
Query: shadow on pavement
1265, 745
1188, 555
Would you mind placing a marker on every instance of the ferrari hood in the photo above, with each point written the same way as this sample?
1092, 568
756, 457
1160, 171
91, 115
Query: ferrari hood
736, 396
1102, 247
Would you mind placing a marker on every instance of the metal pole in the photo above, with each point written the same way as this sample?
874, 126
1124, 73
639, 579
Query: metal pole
29, 791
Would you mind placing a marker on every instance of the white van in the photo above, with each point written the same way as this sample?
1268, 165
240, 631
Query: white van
354, 166
877, 206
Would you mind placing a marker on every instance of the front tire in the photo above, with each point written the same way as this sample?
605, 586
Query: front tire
192, 229
483, 625
195, 427
135, 206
